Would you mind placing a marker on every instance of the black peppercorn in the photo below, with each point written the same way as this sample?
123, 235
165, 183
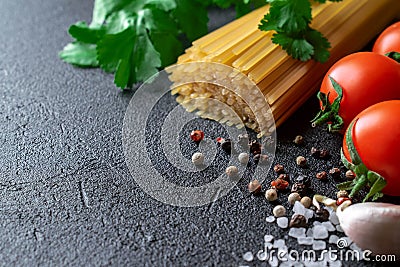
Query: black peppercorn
278, 168
226, 145
335, 173
321, 175
324, 154
260, 158
315, 152
299, 188
284, 176
298, 221
255, 147
322, 215
302, 179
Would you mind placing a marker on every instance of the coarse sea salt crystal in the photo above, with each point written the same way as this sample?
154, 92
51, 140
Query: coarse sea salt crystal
305, 240
333, 239
285, 264
270, 219
273, 261
308, 214
316, 223
248, 256
336, 263
311, 263
279, 243
320, 232
333, 218
310, 232
262, 255
268, 238
318, 245
357, 250
268, 245
339, 228
297, 232
329, 226
282, 222
299, 208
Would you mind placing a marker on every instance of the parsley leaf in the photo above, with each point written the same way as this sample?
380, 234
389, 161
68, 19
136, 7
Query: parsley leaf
192, 18
298, 48
291, 20
80, 54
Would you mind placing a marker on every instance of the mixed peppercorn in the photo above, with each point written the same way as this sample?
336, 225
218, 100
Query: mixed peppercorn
299, 186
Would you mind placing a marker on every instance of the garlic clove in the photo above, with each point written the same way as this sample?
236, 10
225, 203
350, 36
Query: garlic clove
372, 226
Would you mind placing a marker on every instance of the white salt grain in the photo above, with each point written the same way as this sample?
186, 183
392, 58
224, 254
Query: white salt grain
339, 228
268, 245
316, 223
333, 239
248, 256
270, 219
268, 238
320, 232
329, 226
358, 252
273, 261
318, 245
308, 214
279, 243
305, 240
298, 208
262, 255
333, 218
285, 264
282, 222
336, 263
310, 232
297, 232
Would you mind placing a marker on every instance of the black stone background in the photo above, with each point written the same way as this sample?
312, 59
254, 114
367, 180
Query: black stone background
66, 195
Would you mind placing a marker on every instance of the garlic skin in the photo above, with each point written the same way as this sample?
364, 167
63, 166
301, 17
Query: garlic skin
372, 226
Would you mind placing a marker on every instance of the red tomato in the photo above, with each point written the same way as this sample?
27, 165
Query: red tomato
375, 135
388, 40
366, 78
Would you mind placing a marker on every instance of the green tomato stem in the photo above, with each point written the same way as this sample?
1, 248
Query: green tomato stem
364, 177
394, 55
329, 113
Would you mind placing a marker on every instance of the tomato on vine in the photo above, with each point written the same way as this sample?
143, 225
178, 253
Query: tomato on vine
370, 149
354, 83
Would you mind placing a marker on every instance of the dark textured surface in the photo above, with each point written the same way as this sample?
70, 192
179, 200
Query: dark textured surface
66, 195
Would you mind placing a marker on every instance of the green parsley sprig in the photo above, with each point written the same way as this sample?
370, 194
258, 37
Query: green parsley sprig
291, 19
136, 38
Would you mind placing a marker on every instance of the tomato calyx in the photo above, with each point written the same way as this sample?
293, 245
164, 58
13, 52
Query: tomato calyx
364, 177
330, 112
394, 55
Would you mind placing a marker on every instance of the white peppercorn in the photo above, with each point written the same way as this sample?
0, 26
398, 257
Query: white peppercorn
306, 201
243, 158
198, 158
279, 211
271, 194
232, 171
293, 197
301, 161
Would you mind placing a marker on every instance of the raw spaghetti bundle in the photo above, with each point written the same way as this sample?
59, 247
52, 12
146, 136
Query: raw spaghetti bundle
285, 83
